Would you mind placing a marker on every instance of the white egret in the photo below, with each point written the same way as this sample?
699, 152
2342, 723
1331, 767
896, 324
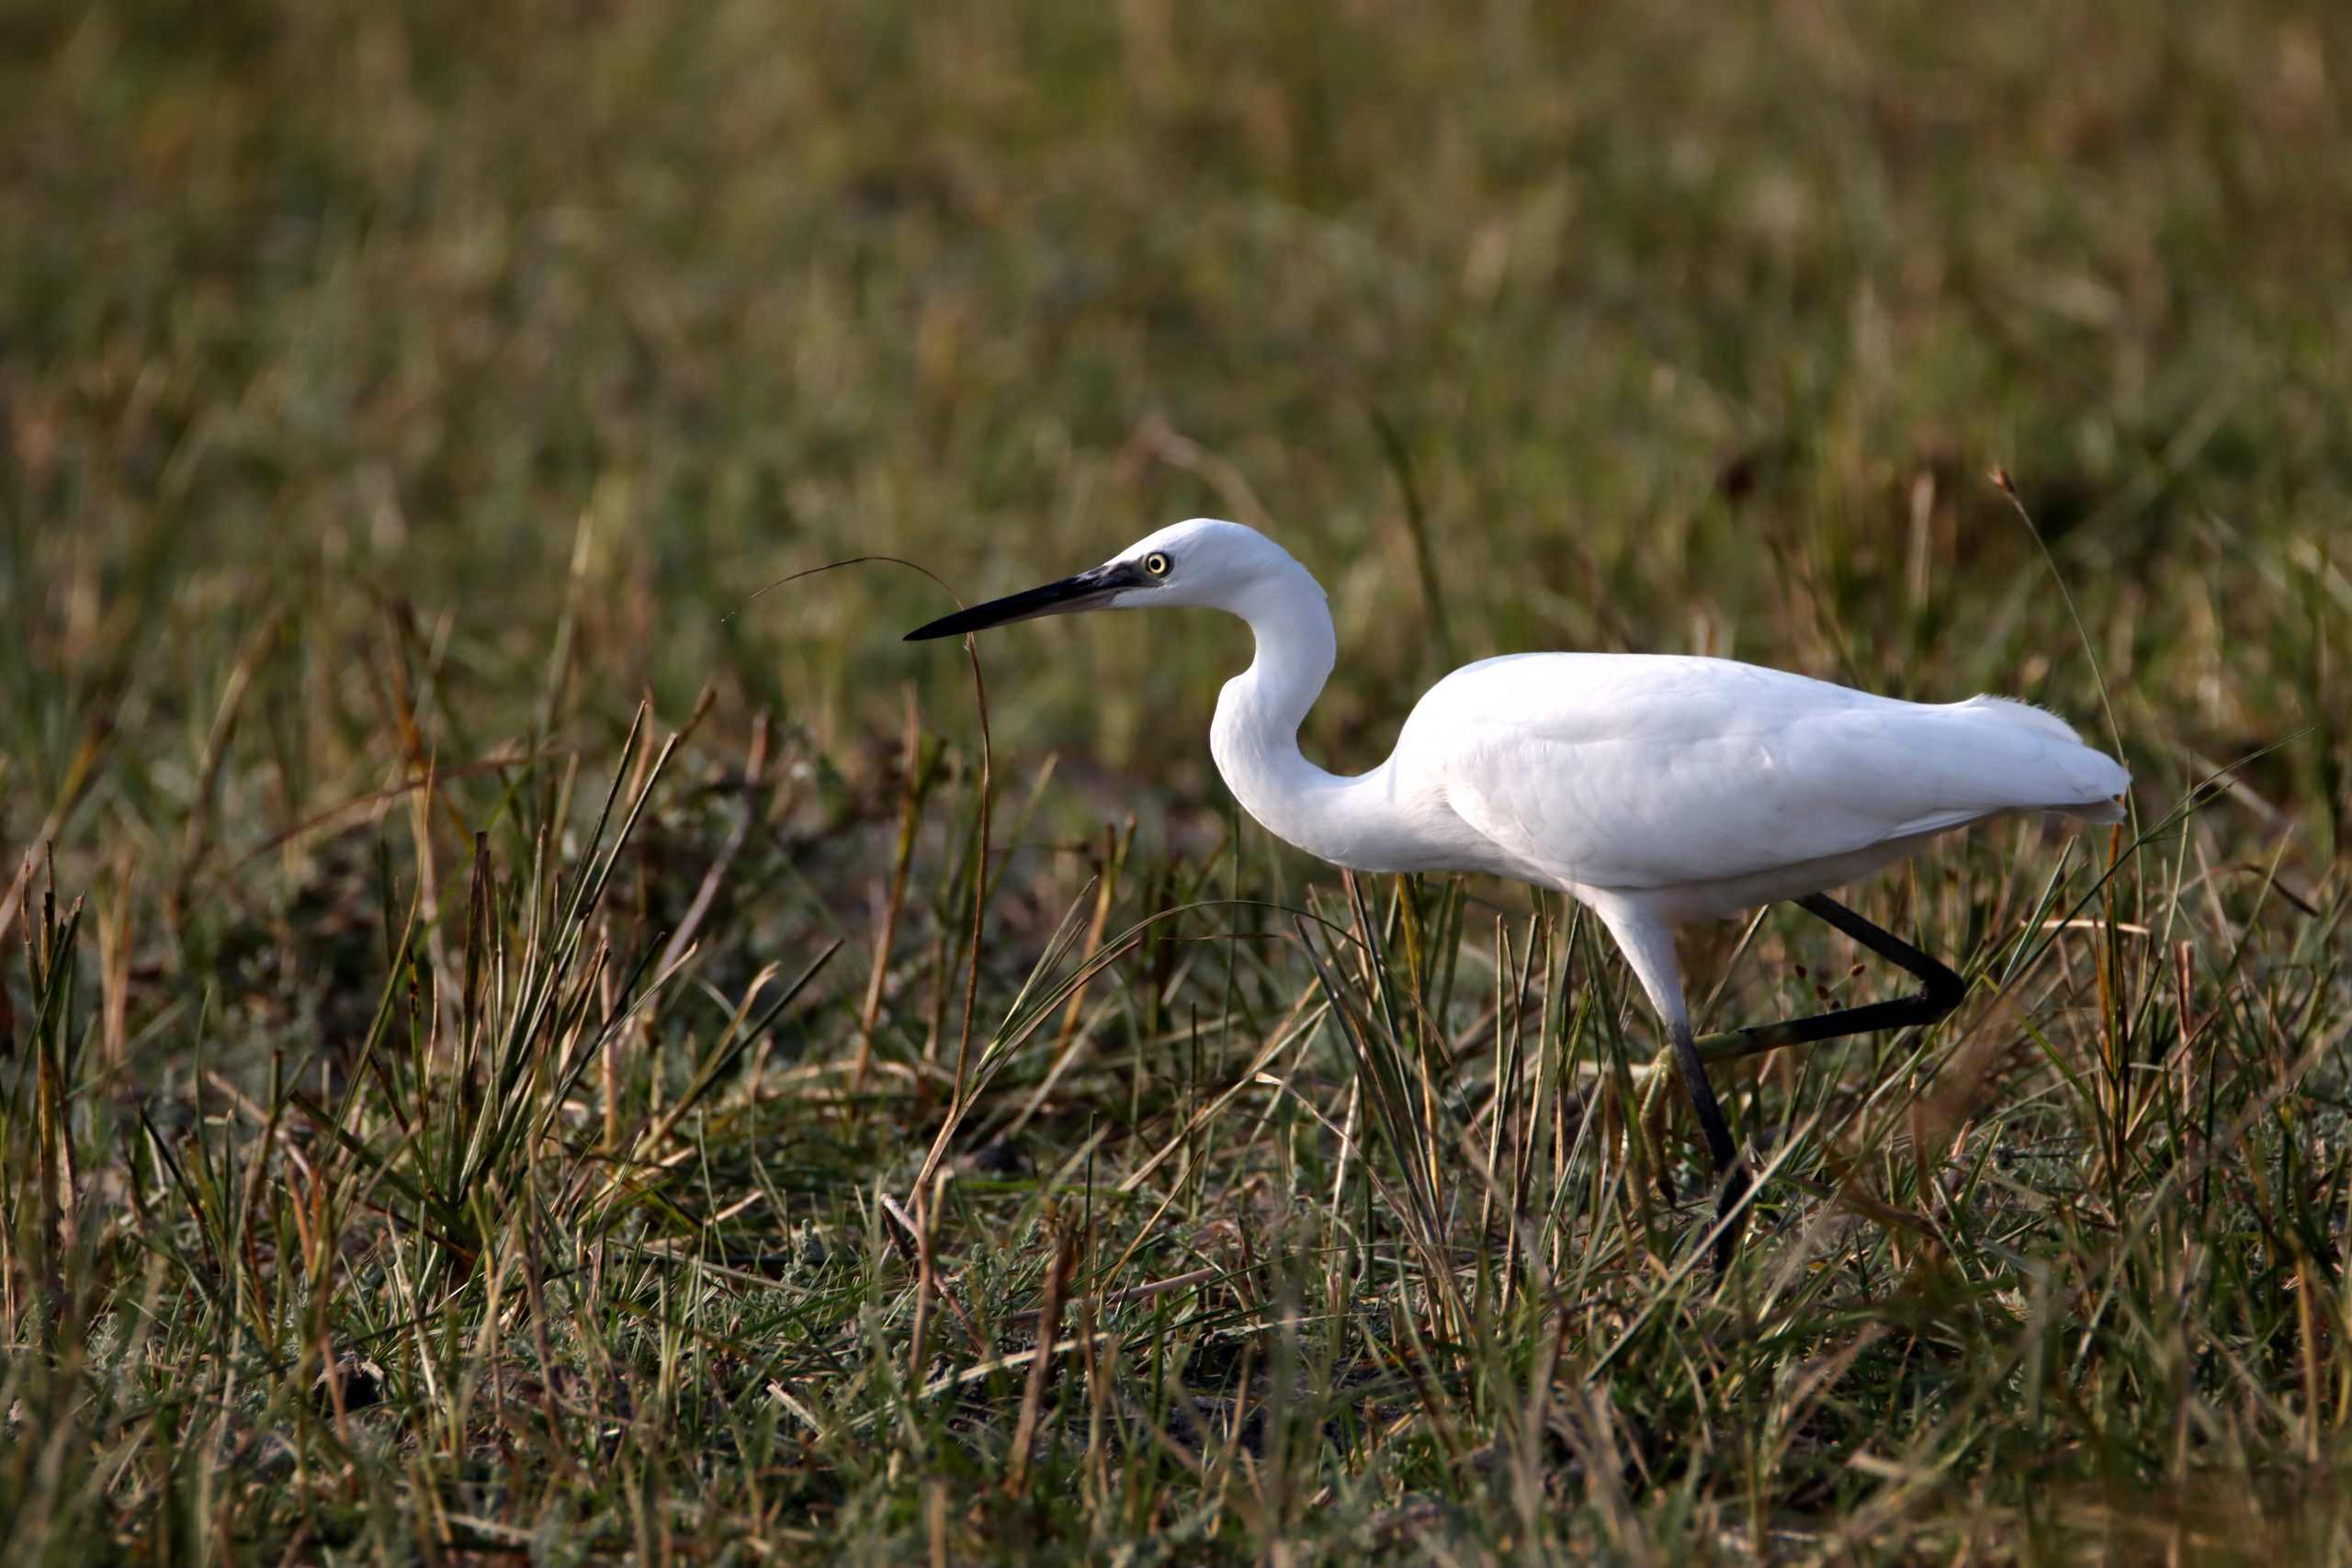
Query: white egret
1655, 790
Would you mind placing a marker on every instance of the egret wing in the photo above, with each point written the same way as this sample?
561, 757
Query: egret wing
1635, 771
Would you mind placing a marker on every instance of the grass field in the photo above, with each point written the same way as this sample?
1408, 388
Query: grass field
513, 1049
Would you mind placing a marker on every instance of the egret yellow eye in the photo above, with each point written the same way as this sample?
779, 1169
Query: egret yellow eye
1155, 564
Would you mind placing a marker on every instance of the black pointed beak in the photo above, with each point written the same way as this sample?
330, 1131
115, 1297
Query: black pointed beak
1087, 591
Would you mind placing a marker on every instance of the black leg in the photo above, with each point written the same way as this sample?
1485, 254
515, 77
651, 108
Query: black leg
1939, 991
1721, 1146
1702, 1098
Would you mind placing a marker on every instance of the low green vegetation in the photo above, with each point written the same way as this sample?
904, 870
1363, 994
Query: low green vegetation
515, 1048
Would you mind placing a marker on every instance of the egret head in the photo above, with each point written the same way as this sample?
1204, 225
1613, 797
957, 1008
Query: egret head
1202, 563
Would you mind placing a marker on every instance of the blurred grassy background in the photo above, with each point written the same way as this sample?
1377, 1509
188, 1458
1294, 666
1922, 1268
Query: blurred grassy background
1696, 329
395, 384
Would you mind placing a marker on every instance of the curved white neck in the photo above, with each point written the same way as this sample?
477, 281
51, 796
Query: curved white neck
1350, 821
